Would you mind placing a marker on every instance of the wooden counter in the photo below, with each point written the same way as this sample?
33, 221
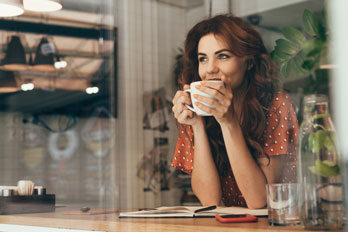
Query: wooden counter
69, 218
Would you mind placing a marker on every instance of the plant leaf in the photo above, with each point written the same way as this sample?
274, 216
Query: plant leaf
329, 143
294, 35
286, 46
325, 168
276, 58
285, 69
298, 62
314, 52
310, 23
314, 48
295, 67
316, 140
281, 55
308, 65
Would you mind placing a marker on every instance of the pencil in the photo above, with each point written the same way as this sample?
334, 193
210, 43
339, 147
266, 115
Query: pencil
205, 209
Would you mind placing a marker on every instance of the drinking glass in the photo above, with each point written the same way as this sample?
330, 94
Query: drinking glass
282, 204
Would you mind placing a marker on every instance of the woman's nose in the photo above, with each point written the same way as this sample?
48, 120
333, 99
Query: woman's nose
212, 67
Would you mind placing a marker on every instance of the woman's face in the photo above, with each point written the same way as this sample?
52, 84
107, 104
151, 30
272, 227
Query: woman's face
216, 60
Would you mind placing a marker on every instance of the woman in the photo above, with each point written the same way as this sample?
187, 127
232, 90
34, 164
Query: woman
251, 138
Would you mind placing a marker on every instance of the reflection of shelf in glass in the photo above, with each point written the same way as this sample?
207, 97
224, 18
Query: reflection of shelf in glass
56, 83
7, 82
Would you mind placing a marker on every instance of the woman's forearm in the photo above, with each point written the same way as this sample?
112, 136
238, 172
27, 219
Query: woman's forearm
249, 176
205, 179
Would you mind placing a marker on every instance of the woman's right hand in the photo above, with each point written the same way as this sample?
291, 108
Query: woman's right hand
182, 114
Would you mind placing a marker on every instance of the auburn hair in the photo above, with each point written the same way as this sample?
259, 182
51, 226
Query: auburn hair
261, 81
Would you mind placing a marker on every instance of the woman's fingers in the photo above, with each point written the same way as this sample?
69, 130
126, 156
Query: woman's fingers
185, 115
215, 103
210, 87
181, 93
181, 112
218, 110
219, 95
179, 109
186, 86
216, 90
181, 97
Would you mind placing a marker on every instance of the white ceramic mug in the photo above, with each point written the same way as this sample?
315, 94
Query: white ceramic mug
193, 90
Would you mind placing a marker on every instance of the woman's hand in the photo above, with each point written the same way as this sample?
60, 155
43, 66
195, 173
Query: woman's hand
181, 112
223, 106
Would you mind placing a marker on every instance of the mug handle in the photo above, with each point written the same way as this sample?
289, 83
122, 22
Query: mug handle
189, 107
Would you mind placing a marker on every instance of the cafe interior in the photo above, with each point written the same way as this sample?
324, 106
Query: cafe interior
86, 119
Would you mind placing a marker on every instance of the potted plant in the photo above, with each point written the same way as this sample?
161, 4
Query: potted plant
304, 54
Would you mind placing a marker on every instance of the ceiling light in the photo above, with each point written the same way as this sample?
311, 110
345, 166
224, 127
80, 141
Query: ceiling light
8, 82
42, 5
10, 8
15, 55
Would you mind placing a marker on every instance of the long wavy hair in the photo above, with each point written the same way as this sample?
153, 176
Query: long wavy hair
261, 81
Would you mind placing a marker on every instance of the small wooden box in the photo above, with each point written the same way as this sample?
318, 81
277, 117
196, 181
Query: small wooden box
27, 204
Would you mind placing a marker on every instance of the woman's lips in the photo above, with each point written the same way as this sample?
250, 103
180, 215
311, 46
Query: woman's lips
214, 79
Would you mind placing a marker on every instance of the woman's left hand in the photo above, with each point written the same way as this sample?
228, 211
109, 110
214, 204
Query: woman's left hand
222, 102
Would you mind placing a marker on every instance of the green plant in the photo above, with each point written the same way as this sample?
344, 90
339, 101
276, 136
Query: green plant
301, 53
323, 139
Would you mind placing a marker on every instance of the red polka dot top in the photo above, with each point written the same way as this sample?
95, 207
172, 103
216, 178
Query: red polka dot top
280, 139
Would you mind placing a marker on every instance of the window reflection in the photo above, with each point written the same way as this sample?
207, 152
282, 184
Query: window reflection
60, 128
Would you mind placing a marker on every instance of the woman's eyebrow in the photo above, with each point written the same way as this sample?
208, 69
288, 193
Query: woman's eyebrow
217, 52
222, 50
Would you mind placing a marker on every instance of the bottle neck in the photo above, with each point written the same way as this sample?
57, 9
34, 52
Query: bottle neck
312, 109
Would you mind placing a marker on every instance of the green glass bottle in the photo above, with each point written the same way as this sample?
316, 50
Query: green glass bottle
319, 168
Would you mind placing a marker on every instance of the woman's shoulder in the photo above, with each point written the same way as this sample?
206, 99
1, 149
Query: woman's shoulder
281, 98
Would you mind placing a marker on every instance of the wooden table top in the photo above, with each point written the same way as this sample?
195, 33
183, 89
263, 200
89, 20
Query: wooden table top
107, 220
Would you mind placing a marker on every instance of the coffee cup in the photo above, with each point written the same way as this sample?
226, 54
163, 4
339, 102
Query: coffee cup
193, 90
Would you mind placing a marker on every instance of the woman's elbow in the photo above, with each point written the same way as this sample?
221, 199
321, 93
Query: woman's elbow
208, 199
257, 204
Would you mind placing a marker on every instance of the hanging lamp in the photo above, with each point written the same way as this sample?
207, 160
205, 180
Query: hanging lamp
15, 59
10, 8
44, 56
42, 5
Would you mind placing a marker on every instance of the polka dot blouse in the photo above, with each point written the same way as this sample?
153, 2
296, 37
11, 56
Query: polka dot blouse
280, 139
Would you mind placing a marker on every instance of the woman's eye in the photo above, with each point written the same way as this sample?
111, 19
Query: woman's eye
223, 56
202, 59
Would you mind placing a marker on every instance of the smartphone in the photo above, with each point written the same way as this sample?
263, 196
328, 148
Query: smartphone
236, 218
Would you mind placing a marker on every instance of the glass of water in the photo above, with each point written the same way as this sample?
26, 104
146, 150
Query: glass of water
282, 204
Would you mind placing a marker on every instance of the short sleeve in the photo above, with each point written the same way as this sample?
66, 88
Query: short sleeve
183, 154
282, 127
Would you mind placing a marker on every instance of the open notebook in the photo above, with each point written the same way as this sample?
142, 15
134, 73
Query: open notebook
191, 211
